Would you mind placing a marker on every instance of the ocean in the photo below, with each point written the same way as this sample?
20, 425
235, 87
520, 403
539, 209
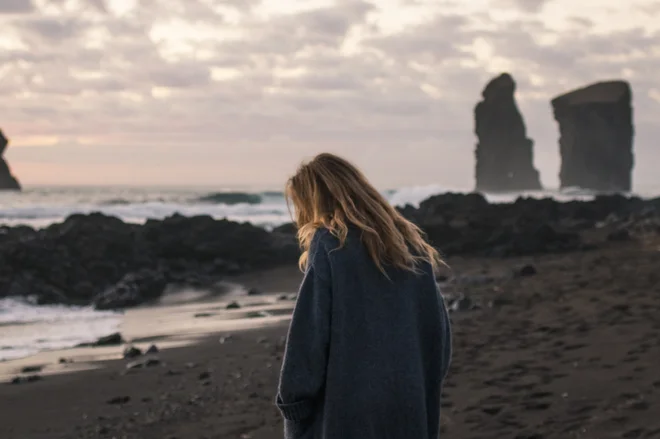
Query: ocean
26, 329
40, 206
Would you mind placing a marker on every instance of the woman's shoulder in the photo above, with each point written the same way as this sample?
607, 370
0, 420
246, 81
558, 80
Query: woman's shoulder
324, 240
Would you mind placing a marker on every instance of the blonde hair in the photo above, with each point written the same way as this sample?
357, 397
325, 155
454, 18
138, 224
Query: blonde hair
330, 192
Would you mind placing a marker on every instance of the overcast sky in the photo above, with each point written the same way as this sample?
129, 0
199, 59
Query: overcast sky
237, 92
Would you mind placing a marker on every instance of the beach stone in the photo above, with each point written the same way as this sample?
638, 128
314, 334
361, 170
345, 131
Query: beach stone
233, 305
132, 352
254, 292
462, 303
258, 314
203, 315
31, 369
132, 290
119, 400
153, 349
109, 340
26, 379
526, 270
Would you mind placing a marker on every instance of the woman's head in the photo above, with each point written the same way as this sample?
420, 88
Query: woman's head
330, 192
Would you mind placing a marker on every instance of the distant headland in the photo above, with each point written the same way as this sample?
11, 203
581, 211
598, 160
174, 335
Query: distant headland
7, 180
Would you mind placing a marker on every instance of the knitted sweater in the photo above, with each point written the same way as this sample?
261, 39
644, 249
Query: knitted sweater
366, 356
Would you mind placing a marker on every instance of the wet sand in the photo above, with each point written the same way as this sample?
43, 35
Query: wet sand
569, 352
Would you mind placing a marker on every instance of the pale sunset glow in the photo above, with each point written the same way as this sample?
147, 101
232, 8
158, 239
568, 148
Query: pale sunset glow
239, 91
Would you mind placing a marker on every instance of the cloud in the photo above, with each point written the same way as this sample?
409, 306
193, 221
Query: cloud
50, 29
16, 6
248, 86
529, 6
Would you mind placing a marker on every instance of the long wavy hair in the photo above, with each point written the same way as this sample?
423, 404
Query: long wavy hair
330, 192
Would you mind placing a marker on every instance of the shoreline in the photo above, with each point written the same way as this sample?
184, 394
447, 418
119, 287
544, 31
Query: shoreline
105, 262
568, 349
178, 320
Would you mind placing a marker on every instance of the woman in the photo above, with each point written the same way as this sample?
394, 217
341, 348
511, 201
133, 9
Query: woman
369, 343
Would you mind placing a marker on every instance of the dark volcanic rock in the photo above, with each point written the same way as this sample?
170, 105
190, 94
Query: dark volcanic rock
114, 339
100, 259
286, 229
119, 400
233, 305
504, 154
26, 379
7, 180
468, 224
109, 340
153, 349
134, 289
526, 270
202, 239
132, 352
75, 259
596, 136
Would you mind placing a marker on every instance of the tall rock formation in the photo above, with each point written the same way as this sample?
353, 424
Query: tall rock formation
596, 136
7, 181
504, 154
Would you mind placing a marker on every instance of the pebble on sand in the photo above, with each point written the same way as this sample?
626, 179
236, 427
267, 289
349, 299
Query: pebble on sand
233, 305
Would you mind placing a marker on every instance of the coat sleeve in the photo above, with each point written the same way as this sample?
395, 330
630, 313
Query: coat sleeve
302, 378
447, 347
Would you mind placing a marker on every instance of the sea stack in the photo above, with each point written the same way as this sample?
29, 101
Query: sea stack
596, 137
7, 180
504, 154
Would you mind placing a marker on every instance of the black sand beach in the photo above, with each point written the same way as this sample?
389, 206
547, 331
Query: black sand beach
568, 349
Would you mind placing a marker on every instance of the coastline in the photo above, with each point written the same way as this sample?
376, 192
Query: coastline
178, 320
566, 351
554, 318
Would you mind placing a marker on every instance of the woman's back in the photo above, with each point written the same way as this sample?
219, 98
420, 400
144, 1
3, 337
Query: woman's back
388, 344
369, 342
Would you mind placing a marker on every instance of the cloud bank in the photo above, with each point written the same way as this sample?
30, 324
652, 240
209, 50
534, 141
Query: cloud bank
237, 92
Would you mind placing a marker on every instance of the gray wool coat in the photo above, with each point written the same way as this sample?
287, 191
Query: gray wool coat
366, 356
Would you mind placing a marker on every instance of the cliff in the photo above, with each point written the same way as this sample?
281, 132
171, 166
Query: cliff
504, 154
596, 136
7, 180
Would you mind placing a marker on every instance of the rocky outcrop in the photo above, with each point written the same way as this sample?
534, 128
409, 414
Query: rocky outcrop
132, 290
504, 154
596, 136
7, 180
460, 224
100, 260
